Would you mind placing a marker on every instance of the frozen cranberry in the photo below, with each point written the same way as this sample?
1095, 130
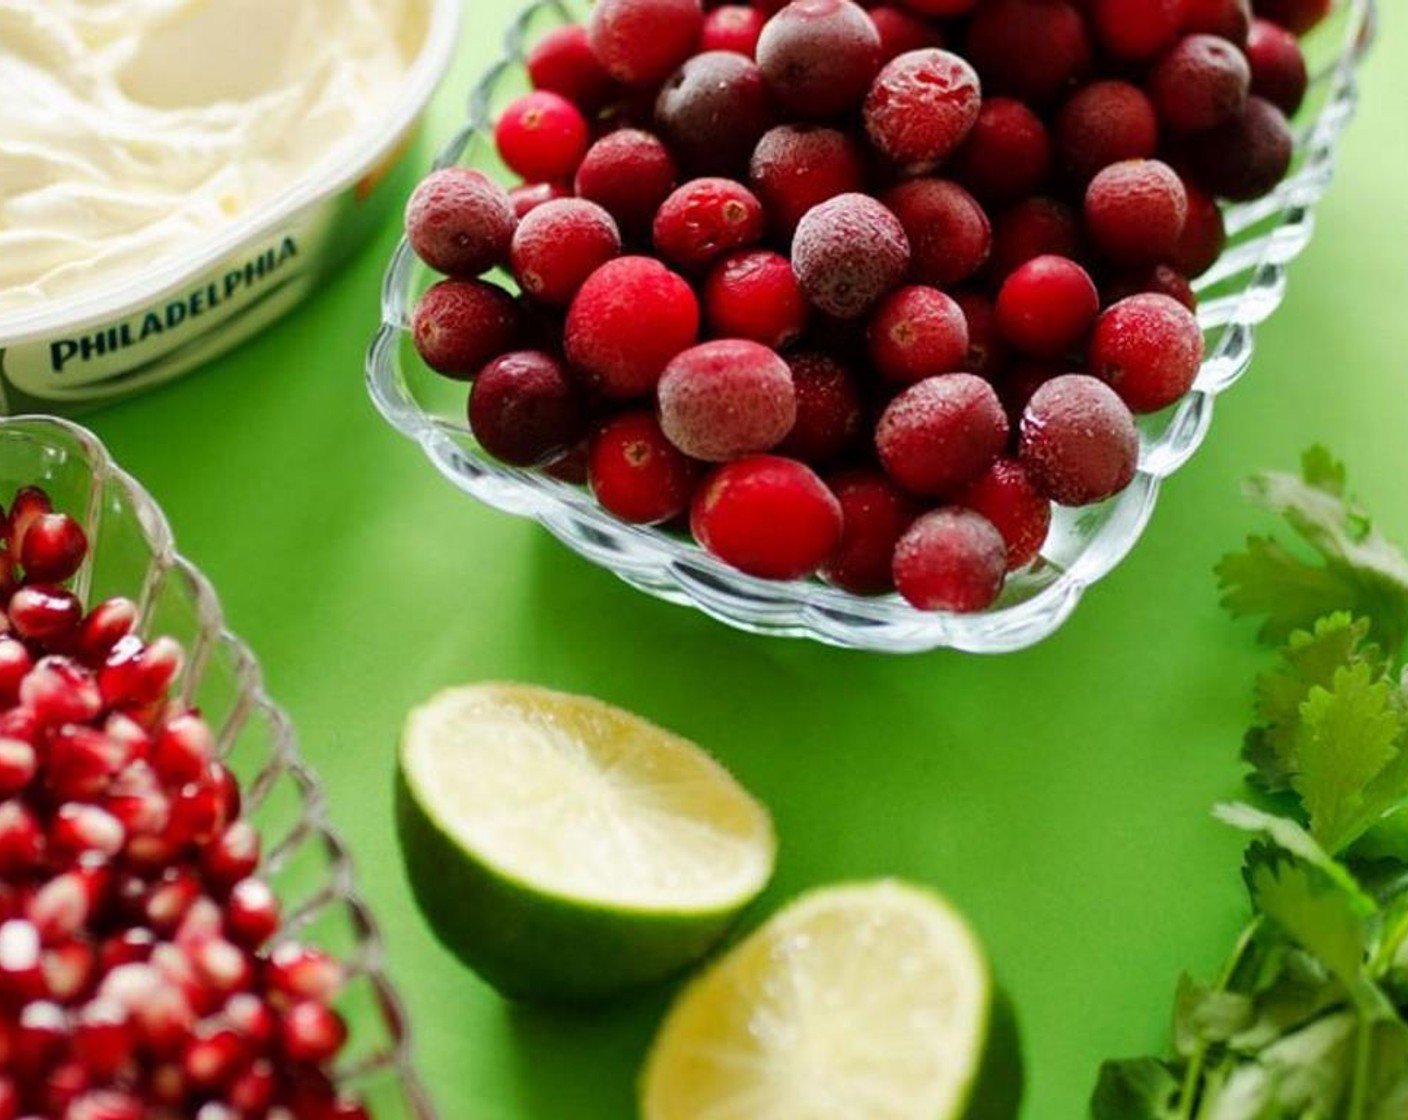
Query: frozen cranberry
941, 434
1200, 83
901, 32
1231, 19
1078, 441
636, 473
1136, 30
1016, 508
796, 167
819, 56
542, 135
949, 233
1006, 156
726, 399
847, 253
706, 219
1161, 280
1035, 227
713, 110
733, 27
1246, 157
986, 352
460, 324
828, 409
460, 222
1204, 234
1135, 211
527, 197
525, 409
1031, 49
755, 295
563, 62
626, 322
1046, 306
943, 9
1298, 16
1105, 123
921, 107
917, 332
1278, 66
640, 42
558, 245
950, 560
768, 516
1148, 349
629, 173
875, 514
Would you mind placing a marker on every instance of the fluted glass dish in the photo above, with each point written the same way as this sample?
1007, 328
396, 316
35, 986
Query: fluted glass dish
1236, 295
305, 861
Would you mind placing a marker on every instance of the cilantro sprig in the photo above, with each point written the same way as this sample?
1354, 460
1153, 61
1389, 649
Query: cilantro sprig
1309, 1019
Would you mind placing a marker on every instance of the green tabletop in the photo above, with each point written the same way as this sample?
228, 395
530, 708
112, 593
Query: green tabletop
1061, 795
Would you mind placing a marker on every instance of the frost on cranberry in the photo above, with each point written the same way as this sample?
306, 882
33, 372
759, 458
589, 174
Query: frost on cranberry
558, 245
460, 222
722, 400
629, 173
847, 253
949, 234
712, 112
951, 560
1078, 441
1148, 349
941, 434
921, 107
458, 325
796, 167
1135, 211
819, 56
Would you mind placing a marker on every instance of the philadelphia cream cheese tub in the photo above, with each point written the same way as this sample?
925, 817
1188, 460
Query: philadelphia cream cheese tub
177, 174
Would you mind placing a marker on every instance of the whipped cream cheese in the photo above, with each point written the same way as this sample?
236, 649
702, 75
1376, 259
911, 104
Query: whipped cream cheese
131, 131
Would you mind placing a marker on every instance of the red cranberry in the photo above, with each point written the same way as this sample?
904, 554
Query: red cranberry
917, 332
1136, 30
900, 32
1006, 156
558, 245
1020, 381
1016, 508
733, 27
949, 233
1104, 123
54, 546
1148, 349
706, 219
636, 473
819, 56
940, 434
1278, 66
542, 135
527, 197
1229, 18
525, 409
1297, 16
461, 324
626, 322
1246, 157
1204, 234
1078, 441
723, 400
921, 107
796, 167
713, 110
1035, 227
629, 173
1135, 211
1201, 83
1034, 50
828, 409
755, 295
767, 516
1160, 280
986, 352
562, 62
640, 42
950, 560
847, 253
460, 222
1046, 307
875, 515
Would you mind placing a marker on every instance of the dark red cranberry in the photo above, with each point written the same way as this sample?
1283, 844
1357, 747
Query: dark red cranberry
1035, 50
829, 415
1006, 156
461, 324
1297, 16
951, 560
1135, 211
460, 222
875, 514
949, 233
1278, 66
1246, 157
1199, 84
1204, 234
917, 332
527, 197
1229, 18
525, 409
1078, 441
819, 56
940, 434
1035, 227
629, 173
1148, 348
712, 111
1104, 123
901, 32
1136, 30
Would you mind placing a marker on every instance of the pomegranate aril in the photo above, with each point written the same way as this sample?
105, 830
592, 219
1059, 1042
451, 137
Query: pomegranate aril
63, 1085
62, 906
135, 673
252, 913
103, 627
222, 966
21, 962
18, 763
250, 1016
165, 1021
183, 749
83, 761
166, 1084
232, 856
41, 1034
103, 1038
59, 690
253, 1089
43, 613
106, 1104
170, 898
197, 813
78, 828
212, 1058
135, 798
202, 922
9, 1099
131, 946
69, 970
29, 505
310, 1031
53, 548
15, 664
296, 971
21, 839
227, 789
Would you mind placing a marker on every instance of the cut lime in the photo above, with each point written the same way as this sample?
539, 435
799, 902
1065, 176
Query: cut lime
859, 1002
567, 850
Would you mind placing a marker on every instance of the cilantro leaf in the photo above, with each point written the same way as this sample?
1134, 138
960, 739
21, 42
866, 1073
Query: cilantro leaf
1293, 840
1269, 580
1140, 1089
1207, 1016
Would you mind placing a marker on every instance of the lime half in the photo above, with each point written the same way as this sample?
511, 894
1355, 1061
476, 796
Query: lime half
859, 1002
566, 849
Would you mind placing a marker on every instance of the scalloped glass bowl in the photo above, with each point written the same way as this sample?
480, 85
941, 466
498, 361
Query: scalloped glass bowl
1246, 286
304, 859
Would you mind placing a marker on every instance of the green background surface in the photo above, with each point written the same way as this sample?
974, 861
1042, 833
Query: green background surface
1061, 795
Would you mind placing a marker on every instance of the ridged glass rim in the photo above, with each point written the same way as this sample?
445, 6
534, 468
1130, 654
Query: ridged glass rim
681, 572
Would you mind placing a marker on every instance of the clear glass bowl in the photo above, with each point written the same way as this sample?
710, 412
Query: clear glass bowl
304, 859
1245, 286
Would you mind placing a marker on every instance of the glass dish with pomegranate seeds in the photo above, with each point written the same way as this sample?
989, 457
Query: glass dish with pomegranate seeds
179, 931
877, 327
